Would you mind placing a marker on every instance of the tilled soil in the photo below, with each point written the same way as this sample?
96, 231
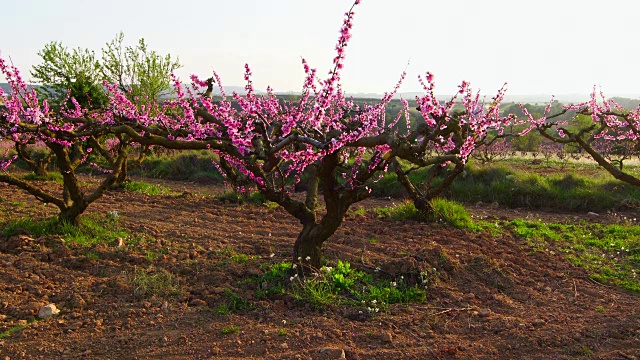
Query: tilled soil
494, 296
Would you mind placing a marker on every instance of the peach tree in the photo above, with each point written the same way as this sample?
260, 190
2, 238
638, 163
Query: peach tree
610, 135
65, 132
323, 142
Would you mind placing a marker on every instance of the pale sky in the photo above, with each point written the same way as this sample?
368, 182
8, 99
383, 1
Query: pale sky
539, 47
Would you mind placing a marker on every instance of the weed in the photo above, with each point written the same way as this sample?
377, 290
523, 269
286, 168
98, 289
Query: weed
340, 284
242, 258
601, 309
93, 255
513, 185
181, 165
222, 309
234, 303
16, 328
231, 329
360, 211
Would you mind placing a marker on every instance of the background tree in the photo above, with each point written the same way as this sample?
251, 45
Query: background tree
65, 74
141, 73
612, 136
447, 133
64, 132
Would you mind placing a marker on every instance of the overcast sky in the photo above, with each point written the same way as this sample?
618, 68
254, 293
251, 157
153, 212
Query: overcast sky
539, 47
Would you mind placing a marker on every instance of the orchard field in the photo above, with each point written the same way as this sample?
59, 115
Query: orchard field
145, 217
189, 270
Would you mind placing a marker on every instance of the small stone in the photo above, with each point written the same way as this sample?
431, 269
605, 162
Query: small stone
592, 214
332, 353
284, 346
386, 337
48, 311
484, 312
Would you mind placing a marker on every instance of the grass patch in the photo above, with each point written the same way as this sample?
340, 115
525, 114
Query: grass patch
342, 285
452, 213
51, 176
516, 183
153, 282
235, 197
93, 229
144, 188
443, 211
232, 304
402, 211
610, 253
181, 165
570, 189
242, 258
231, 329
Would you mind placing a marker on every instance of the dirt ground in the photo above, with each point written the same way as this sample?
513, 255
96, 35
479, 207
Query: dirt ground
495, 297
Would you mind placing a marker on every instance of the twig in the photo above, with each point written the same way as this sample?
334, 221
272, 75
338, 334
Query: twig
444, 310
452, 309
575, 290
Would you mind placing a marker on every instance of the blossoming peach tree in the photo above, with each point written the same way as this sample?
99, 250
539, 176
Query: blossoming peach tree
24, 119
322, 140
612, 135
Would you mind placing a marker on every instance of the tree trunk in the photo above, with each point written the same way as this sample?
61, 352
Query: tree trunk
612, 169
422, 204
71, 215
124, 174
307, 250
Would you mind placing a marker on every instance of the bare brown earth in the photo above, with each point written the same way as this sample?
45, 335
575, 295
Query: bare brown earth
495, 297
